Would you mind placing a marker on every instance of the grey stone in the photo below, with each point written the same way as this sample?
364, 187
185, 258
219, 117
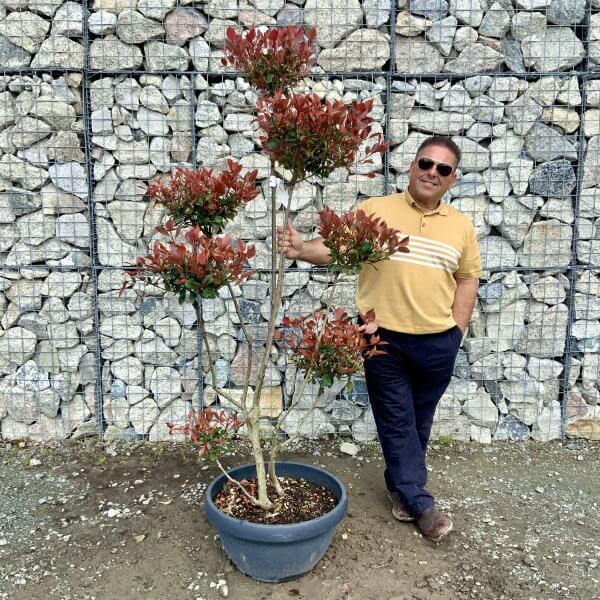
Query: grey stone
113, 54
122, 327
17, 346
544, 143
143, 415
497, 252
548, 244
31, 377
165, 385
544, 337
163, 57
523, 113
68, 20
591, 164
70, 177
62, 284
22, 405
25, 29
481, 410
474, 58
155, 9
477, 85
102, 22
310, 424
364, 50
554, 179
511, 428
135, 28
519, 172
434, 10
15, 202
291, 14
557, 49
59, 51
441, 34
12, 56
18, 171
184, 23
344, 411
496, 22
464, 36
377, 13
364, 428
344, 16
415, 56
516, 221
513, 55
467, 11
566, 12
485, 109
525, 24
445, 123
73, 229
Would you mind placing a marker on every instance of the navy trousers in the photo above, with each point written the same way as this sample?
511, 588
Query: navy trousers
405, 386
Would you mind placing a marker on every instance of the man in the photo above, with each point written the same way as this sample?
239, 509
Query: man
423, 301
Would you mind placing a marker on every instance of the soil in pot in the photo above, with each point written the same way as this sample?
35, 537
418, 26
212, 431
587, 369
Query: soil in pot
303, 501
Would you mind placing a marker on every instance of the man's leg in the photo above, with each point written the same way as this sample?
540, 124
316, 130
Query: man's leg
390, 395
430, 375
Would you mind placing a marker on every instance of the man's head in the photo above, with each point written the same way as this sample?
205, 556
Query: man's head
433, 171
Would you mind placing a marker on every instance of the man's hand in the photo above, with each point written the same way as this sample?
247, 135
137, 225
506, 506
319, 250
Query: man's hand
290, 242
464, 301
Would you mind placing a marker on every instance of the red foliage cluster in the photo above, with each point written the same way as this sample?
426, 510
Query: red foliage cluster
201, 198
311, 136
209, 430
355, 238
327, 346
272, 59
196, 267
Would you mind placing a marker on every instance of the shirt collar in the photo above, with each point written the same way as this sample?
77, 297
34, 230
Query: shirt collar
442, 207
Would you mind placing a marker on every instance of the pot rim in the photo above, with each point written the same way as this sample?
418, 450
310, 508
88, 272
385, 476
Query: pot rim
277, 532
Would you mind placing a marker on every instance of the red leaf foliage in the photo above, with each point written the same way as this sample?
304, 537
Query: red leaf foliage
312, 136
192, 264
327, 346
209, 430
271, 59
206, 199
355, 238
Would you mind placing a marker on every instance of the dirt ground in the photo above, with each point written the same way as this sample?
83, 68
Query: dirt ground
111, 522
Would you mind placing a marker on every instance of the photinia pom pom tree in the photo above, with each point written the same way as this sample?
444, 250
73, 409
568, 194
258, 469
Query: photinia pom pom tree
305, 137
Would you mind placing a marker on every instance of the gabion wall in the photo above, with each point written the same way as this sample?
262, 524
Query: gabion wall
98, 99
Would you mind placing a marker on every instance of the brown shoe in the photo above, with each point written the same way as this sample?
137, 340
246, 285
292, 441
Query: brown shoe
434, 524
398, 509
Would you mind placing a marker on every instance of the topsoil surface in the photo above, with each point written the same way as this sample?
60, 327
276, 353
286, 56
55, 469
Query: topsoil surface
93, 521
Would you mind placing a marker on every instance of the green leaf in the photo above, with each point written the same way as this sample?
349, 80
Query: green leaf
327, 380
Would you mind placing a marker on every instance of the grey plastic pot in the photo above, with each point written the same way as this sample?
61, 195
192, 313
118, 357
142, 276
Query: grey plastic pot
277, 553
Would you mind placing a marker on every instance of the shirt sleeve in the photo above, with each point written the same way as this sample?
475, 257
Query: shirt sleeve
469, 265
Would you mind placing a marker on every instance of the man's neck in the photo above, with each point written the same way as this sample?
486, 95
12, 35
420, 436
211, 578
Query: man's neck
426, 205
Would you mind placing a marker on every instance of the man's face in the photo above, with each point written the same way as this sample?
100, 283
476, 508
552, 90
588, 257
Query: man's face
427, 184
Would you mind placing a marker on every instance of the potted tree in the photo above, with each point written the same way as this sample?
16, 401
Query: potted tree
275, 519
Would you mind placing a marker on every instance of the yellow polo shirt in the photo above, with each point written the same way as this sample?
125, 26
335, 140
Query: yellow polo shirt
414, 292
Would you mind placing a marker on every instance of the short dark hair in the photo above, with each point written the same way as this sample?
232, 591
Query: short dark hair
441, 140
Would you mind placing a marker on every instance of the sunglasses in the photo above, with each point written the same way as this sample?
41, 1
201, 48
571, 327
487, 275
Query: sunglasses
442, 169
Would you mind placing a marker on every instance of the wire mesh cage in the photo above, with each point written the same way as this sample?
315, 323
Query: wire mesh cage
100, 99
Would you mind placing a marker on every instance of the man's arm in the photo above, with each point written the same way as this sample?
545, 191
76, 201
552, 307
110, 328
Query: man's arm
464, 301
295, 248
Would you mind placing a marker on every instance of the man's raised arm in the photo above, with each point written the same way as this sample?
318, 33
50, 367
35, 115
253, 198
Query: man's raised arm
295, 248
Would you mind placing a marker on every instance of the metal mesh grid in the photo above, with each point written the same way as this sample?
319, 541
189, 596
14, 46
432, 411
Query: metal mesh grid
100, 98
